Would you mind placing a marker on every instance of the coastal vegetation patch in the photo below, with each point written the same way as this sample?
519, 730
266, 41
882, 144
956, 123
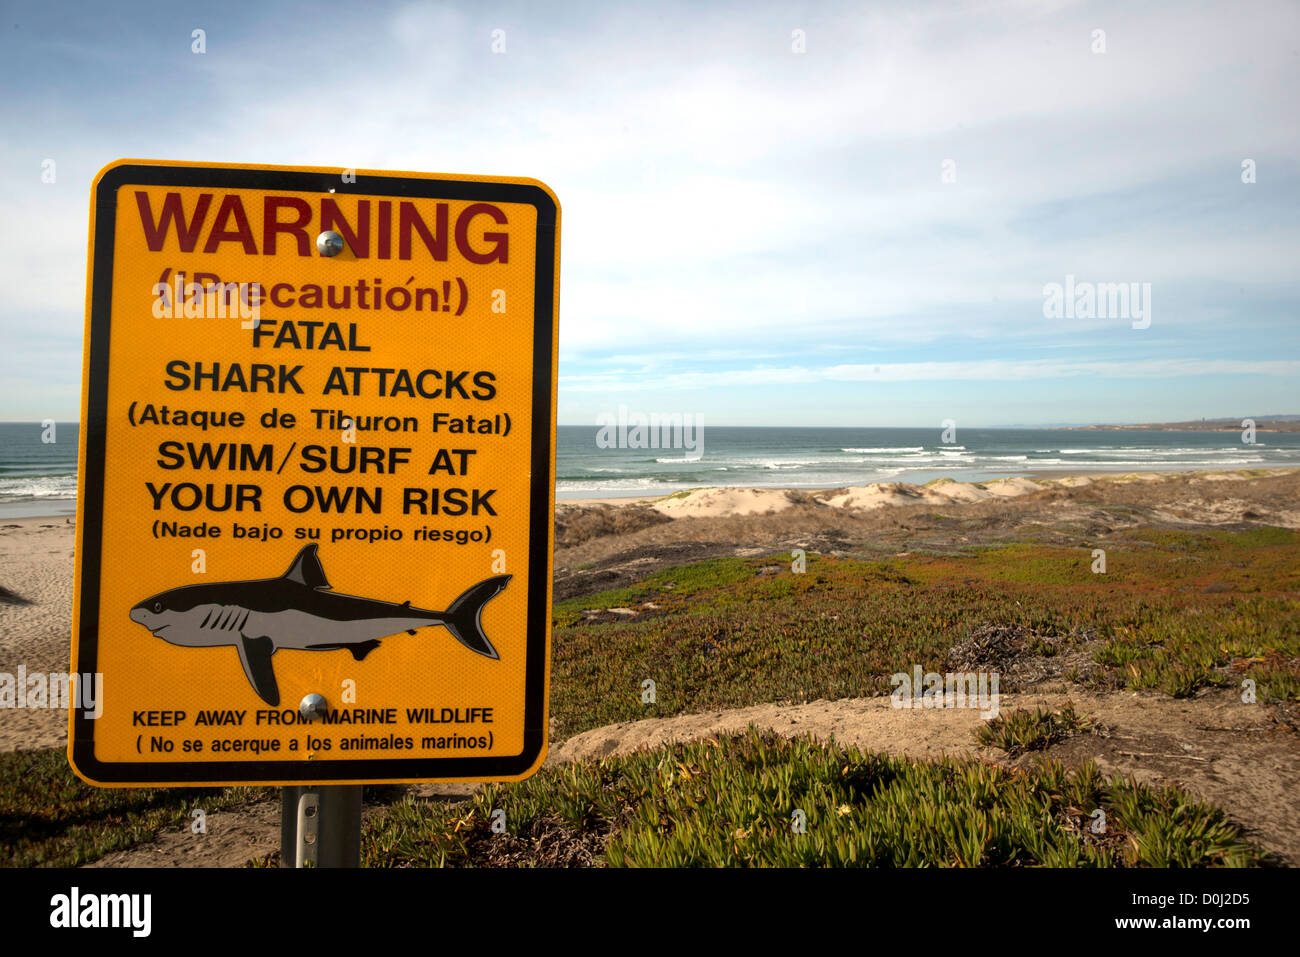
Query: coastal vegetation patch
756, 799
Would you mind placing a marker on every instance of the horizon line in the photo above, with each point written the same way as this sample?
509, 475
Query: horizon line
1270, 417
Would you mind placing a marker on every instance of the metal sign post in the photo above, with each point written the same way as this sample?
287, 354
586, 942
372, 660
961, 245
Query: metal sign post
320, 826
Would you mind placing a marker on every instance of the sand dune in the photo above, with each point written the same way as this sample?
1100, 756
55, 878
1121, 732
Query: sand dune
718, 502
722, 502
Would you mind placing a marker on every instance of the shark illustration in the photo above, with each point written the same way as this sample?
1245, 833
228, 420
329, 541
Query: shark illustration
298, 611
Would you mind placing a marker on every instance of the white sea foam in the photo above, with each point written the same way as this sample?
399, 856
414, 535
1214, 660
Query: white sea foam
882, 449
38, 486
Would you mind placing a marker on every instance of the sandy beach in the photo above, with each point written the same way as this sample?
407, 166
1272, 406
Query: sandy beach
37, 558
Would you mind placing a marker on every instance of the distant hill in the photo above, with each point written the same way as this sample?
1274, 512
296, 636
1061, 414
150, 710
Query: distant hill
1263, 423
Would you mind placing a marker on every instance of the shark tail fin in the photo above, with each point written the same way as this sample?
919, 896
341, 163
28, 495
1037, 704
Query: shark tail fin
463, 618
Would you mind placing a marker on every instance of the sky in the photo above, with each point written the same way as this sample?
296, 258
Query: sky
772, 214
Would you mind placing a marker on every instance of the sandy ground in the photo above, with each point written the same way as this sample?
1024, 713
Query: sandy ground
233, 838
36, 562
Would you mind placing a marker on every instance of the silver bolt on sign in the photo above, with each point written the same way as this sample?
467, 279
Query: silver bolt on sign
329, 243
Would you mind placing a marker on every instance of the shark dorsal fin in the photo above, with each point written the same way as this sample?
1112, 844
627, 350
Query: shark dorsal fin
306, 569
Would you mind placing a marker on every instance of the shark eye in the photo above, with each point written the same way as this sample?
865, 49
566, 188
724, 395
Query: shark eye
157, 607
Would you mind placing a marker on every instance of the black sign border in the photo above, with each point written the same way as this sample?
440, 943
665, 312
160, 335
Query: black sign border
94, 430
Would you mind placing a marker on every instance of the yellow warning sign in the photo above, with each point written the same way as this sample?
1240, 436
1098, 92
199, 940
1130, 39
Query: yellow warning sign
316, 475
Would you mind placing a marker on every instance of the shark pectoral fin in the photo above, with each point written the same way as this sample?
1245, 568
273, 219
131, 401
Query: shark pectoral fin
359, 650
255, 656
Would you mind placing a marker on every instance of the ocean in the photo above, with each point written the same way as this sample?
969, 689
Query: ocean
834, 457
40, 478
